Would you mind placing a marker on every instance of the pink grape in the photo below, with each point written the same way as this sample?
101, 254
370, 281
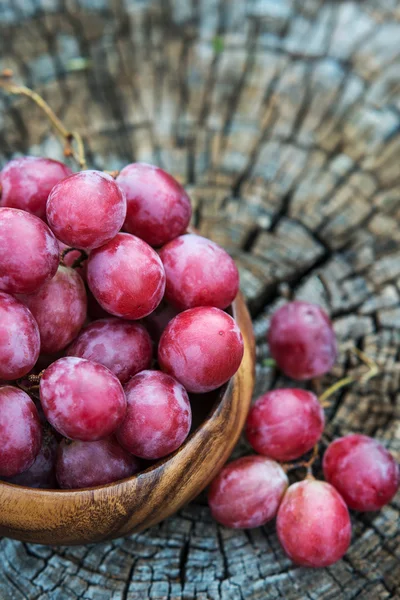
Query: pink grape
87, 464
19, 338
20, 431
126, 277
202, 348
28, 252
284, 424
82, 400
70, 258
42, 474
158, 417
157, 321
86, 210
247, 492
302, 340
123, 347
362, 471
198, 273
59, 308
313, 524
158, 207
26, 183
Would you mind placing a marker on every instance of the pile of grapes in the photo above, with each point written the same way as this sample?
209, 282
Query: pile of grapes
312, 518
86, 303
111, 315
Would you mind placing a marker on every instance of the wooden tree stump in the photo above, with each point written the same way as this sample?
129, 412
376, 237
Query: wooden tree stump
282, 118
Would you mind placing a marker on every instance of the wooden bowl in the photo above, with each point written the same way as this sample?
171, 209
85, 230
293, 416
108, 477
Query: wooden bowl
67, 517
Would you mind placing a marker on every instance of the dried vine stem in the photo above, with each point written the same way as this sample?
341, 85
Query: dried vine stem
304, 464
373, 370
7, 84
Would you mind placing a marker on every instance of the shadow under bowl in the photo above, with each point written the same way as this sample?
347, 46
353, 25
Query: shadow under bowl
70, 517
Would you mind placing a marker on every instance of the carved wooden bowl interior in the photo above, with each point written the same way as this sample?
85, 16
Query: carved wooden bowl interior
69, 517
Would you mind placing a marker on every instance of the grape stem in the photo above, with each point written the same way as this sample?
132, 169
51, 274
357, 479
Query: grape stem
78, 261
304, 464
373, 370
69, 137
33, 384
113, 174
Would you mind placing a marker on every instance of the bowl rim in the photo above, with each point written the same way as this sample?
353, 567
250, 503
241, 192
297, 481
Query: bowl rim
222, 397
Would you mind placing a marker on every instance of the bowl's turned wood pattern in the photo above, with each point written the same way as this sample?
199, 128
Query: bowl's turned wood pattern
77, 517
283, 120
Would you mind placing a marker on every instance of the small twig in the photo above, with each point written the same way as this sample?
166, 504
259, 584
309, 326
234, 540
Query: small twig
113, 174
373, 370
334, 388
304, 464
33, 384
69, 136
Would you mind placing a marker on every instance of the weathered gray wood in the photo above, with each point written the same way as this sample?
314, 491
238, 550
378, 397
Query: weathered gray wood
283, 119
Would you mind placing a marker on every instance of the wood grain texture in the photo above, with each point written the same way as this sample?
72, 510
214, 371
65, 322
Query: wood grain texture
282, 119
66, 517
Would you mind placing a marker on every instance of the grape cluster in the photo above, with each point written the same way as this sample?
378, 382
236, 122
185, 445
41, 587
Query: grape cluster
96, 274
312, 518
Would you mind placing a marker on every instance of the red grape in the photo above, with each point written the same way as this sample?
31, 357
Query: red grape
123, 347
198, 273
158, 416
313, 524
42, 473
19, 338
302, 340
20, 431
59, 308
362, 470
126, 277
284, 424
87, 464
70, 258
82, 400
86, 210
158, 208
26, 183
28, 252
247, 492
202, 348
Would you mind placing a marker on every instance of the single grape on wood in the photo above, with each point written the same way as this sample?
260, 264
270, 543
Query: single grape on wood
313, 524
302, 341
285, 423
362, 470
247, 492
